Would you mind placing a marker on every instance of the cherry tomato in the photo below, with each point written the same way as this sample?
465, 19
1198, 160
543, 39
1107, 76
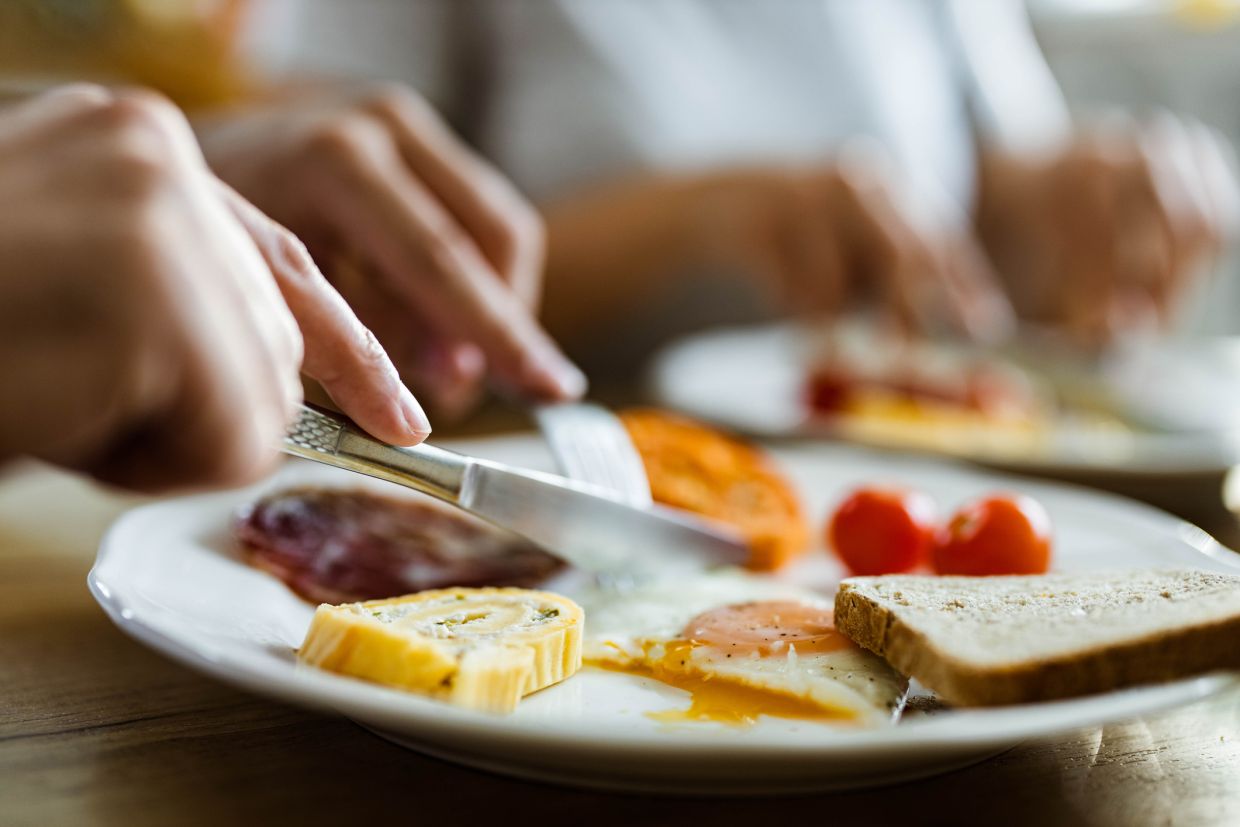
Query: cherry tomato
1002, 534
883, 530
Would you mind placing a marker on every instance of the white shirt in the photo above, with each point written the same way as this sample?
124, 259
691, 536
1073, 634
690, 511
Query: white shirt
561, 93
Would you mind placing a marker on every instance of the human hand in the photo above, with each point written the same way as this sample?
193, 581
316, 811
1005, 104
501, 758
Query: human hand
432, 248
840, 233
1107, 233
152, 322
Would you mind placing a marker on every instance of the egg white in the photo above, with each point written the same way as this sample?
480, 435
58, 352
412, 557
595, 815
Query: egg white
633, 626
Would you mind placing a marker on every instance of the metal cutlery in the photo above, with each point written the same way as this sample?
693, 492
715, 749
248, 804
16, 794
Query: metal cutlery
591, 445
584, 524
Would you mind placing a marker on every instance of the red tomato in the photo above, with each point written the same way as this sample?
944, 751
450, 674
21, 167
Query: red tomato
883, 530
995, 535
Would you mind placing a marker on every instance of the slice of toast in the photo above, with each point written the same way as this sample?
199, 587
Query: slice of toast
987, 641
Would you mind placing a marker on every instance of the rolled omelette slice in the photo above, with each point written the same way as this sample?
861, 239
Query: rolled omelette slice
483, 649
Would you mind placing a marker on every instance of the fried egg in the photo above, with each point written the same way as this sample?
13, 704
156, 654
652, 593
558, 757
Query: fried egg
742, 647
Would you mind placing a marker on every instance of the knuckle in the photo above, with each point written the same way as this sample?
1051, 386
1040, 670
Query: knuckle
443, 247
392, 98
141, 137
138, 176
440, 238
343, 137
519, 229
526, 227
141, 111
371, 349
292, 251
863, 184
85, 97
373, 357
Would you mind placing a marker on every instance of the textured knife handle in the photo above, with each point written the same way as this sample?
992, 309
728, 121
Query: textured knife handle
333, 440
314, 432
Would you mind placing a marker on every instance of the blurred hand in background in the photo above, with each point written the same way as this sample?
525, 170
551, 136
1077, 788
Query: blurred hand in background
152, 322
822, 239
435, 251
1108, 233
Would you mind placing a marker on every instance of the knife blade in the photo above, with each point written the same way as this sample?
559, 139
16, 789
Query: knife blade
583, 524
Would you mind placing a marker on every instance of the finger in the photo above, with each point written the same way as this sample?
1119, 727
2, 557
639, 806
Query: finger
220, 408
505, 227
907, 268
431, 262
984, 311
929, 274
1145, 256
1216, 164
1133, 311
456, 370
1087, 202
811, 254
880, 251
1150, 215
219, 424
234, 347
275, 345
260, 331
1180, 181
448, 375
1167, 229
340, 353
157, 457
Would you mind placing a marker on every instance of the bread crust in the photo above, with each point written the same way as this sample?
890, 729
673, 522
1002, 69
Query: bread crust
1166, 656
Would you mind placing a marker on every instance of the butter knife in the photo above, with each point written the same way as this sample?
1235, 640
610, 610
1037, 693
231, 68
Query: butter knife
583, 524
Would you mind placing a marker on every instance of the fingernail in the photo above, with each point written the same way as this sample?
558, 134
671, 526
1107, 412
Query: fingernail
411, 411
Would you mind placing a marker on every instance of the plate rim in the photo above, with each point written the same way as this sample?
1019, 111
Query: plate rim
378, 705
1207, 455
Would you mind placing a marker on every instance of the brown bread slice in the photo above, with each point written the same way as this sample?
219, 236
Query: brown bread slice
987, 641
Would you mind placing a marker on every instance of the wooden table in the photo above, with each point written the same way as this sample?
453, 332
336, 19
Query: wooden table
96, 729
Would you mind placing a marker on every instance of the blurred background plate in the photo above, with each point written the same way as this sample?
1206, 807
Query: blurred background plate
1156, 414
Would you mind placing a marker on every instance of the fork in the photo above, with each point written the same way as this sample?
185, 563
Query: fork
590, 444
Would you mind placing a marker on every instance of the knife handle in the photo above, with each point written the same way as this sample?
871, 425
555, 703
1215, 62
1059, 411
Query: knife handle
331, 439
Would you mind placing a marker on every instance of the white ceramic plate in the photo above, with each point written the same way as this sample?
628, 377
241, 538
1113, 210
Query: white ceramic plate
752, 379
167, 574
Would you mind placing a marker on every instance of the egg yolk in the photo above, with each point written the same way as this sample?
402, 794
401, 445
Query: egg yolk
768, 628
747, 630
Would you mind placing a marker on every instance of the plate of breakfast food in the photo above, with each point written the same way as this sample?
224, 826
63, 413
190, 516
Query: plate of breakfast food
1137, 409
897, 617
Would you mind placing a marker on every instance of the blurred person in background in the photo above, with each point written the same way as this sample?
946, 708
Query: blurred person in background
153, 322
433, 249
707, 160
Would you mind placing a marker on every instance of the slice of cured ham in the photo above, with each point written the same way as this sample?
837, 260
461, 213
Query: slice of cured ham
341, 545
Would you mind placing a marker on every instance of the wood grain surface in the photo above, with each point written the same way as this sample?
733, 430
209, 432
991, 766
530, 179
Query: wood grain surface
96, 729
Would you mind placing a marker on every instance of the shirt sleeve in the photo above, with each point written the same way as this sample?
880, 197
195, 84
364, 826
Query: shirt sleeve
1014, 100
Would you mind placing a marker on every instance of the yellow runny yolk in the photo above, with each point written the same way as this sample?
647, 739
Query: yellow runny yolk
748, 631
